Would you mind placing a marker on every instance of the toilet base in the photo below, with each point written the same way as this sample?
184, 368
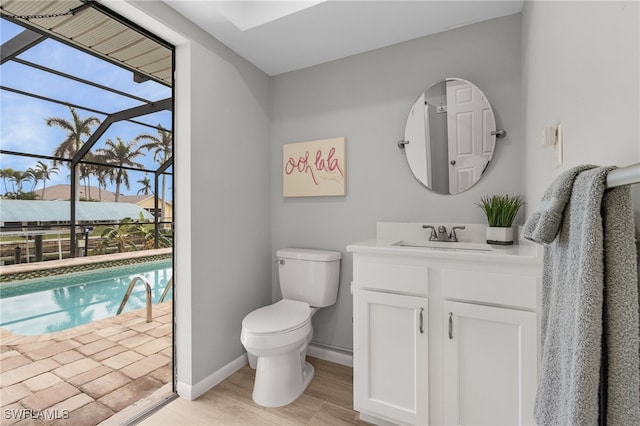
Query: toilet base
280, 380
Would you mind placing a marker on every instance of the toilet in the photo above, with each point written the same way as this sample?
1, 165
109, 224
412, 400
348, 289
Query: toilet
276, 337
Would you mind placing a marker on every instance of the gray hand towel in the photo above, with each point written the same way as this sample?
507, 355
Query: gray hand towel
621, 319
544, 224
589, 278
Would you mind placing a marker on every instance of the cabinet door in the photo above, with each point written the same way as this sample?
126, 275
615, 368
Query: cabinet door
390, 356
490, 367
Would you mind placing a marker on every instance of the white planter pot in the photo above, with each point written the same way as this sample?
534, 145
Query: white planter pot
503, 236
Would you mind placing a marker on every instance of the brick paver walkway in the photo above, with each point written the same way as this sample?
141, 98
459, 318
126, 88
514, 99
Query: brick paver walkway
86, 374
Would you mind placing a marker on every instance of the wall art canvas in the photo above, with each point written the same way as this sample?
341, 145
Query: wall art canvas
315, 168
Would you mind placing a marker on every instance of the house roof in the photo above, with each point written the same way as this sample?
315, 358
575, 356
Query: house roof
59, 211
134, 199
62, 192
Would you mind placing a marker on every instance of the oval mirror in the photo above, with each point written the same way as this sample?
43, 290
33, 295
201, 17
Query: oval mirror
450, 136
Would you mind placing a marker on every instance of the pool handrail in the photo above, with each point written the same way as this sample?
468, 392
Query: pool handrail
166, 290
147, 287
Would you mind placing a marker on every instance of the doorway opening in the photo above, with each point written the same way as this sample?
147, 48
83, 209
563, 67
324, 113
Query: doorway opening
87, 189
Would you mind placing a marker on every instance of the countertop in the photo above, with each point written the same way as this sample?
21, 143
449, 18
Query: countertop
525, 252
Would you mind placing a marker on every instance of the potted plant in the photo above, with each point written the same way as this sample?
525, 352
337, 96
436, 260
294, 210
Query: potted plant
500, 210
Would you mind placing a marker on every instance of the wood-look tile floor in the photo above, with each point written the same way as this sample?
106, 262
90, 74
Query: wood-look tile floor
327, 401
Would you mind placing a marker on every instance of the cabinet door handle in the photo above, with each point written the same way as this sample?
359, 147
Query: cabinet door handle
421, 320
450, 325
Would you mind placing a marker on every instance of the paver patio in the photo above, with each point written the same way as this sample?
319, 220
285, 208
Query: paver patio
86, 374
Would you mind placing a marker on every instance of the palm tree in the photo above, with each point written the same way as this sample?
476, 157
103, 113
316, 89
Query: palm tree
5, 175
76, 129
86, 170
118, 155
34, 175
146, 186
162, 146
102, 173
18, 179
45, 174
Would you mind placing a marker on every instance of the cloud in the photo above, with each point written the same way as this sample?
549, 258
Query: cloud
23, 127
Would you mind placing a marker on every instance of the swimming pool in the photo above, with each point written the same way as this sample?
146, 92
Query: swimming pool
45, 305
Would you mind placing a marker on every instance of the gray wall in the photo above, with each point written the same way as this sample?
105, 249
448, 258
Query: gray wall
366, 98
230, 223
222, 195
229, 206
580, 68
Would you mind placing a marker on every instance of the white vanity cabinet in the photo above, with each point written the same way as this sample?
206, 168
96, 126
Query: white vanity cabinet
391, 366
490, 348
444, 337
489, 365
391, 375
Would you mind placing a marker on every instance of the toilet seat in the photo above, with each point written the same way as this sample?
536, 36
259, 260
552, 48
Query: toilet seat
281, 317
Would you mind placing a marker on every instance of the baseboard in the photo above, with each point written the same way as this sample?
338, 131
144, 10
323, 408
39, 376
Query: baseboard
327, 353
191, 392
375, 420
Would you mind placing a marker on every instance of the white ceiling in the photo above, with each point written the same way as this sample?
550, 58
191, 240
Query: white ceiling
282, 36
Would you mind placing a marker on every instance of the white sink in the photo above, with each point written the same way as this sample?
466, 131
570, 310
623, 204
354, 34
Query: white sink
448, 246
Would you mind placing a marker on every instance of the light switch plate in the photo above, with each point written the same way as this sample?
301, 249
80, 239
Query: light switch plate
549, 136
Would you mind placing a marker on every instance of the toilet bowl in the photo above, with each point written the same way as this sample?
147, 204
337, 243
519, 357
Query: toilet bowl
276, 337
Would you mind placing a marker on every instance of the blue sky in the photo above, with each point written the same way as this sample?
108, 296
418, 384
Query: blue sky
23, 119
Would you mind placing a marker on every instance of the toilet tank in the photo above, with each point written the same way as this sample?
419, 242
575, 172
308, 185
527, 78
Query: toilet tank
309, 275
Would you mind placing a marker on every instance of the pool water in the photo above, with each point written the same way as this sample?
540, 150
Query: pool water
45, 305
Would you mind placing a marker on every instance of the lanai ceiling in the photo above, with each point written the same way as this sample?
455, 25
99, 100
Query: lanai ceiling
85, 24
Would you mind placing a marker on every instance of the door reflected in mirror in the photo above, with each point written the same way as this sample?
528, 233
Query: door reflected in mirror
450, 136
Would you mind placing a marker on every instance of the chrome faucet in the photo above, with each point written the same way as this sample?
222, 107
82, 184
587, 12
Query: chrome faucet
441, 234
433, 236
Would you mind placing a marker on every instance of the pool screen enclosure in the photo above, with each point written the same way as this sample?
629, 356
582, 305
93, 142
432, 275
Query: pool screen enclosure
95, 30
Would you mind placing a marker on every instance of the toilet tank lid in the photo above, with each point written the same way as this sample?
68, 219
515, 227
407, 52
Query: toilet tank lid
308, 254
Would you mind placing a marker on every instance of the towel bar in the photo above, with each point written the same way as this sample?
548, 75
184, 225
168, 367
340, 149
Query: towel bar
624, 176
